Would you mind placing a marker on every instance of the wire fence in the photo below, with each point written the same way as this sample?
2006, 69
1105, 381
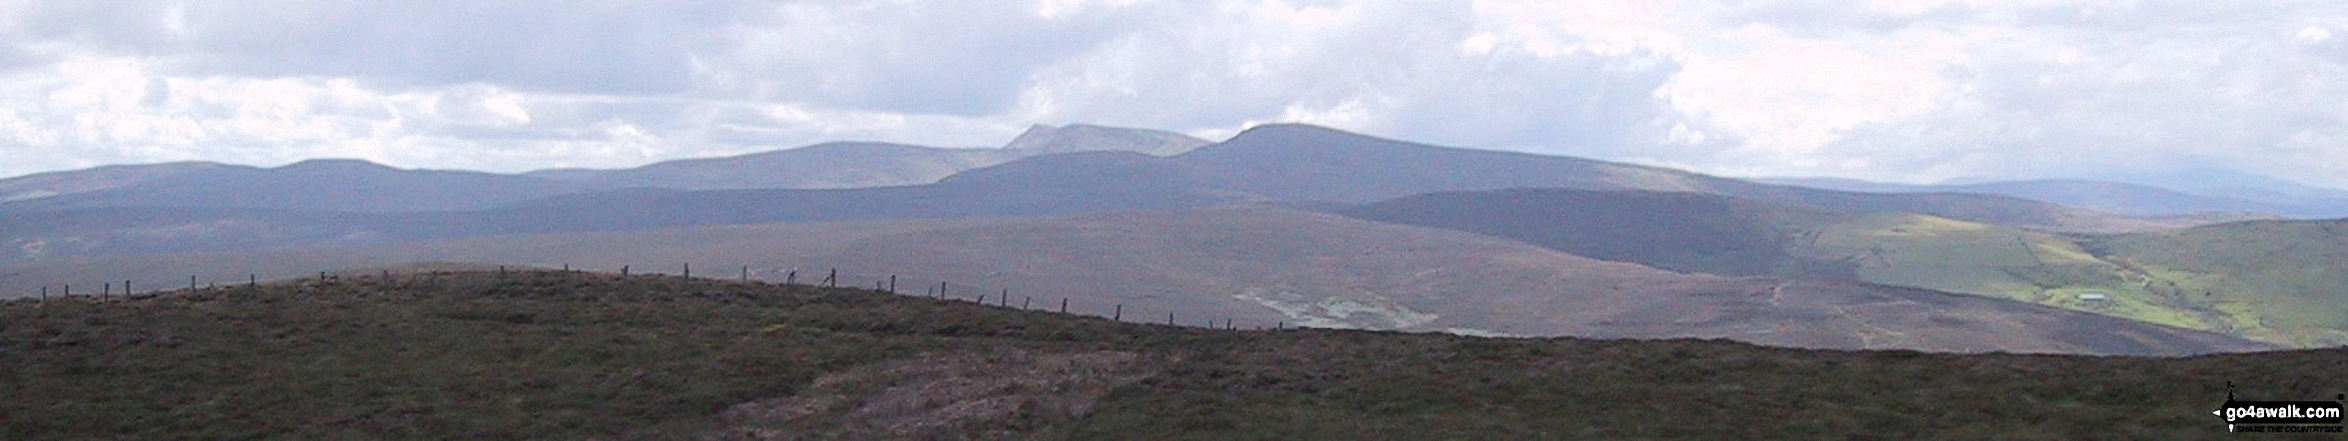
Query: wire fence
943, 291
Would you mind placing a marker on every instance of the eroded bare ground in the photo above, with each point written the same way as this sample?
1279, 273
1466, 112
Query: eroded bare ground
990, 395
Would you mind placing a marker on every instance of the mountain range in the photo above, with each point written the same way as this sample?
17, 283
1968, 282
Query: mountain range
1281, 223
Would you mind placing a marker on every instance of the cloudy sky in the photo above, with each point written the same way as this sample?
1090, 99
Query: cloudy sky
1897, 90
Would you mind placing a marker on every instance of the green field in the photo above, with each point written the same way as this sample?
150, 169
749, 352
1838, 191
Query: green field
2281, 282
555, 355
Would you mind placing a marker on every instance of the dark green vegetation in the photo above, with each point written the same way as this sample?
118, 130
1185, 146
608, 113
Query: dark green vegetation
549, 355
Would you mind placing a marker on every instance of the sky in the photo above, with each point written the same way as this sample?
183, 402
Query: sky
1913, 91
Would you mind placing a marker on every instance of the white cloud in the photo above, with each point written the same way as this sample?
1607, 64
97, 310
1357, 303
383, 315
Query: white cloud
1886, 89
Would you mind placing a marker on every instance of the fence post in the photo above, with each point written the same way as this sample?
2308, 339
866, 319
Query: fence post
1025, 301
791, 278
832, 280
745, 273
191, 283
126, 288
1169, 318
623, 271
941, 290
688, 270
981, 299
1063, 305
892, 284
1006, 300
252, 280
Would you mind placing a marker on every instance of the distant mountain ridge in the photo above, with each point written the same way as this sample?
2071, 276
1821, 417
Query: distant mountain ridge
1091, 138
831, 165
2118, 197
1292, 165
329, 185
349, 185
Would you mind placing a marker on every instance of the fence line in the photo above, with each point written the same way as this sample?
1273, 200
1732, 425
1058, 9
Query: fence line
831, 280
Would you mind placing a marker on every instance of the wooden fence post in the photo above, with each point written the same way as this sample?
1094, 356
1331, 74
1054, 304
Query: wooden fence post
623, 271
1169, 318
1006, 300
688, 270
745, 273
1119, 315
191, 283
1025, 301
892, 284
791, 278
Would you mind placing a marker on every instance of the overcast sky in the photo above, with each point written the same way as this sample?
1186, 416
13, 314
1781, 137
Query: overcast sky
1897, 90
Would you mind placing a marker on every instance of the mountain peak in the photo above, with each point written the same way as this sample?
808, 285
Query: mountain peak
1087, 138
336, 164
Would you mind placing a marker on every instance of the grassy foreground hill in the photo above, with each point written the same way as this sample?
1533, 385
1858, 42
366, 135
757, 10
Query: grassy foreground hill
557, 355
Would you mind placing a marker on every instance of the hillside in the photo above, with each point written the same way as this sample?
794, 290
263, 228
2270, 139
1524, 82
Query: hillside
558, 355
41, 185
313, 186
1307, 163
1257, 265
2275, 281
2271, 281
822, 166
2106, 196
1686, 232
